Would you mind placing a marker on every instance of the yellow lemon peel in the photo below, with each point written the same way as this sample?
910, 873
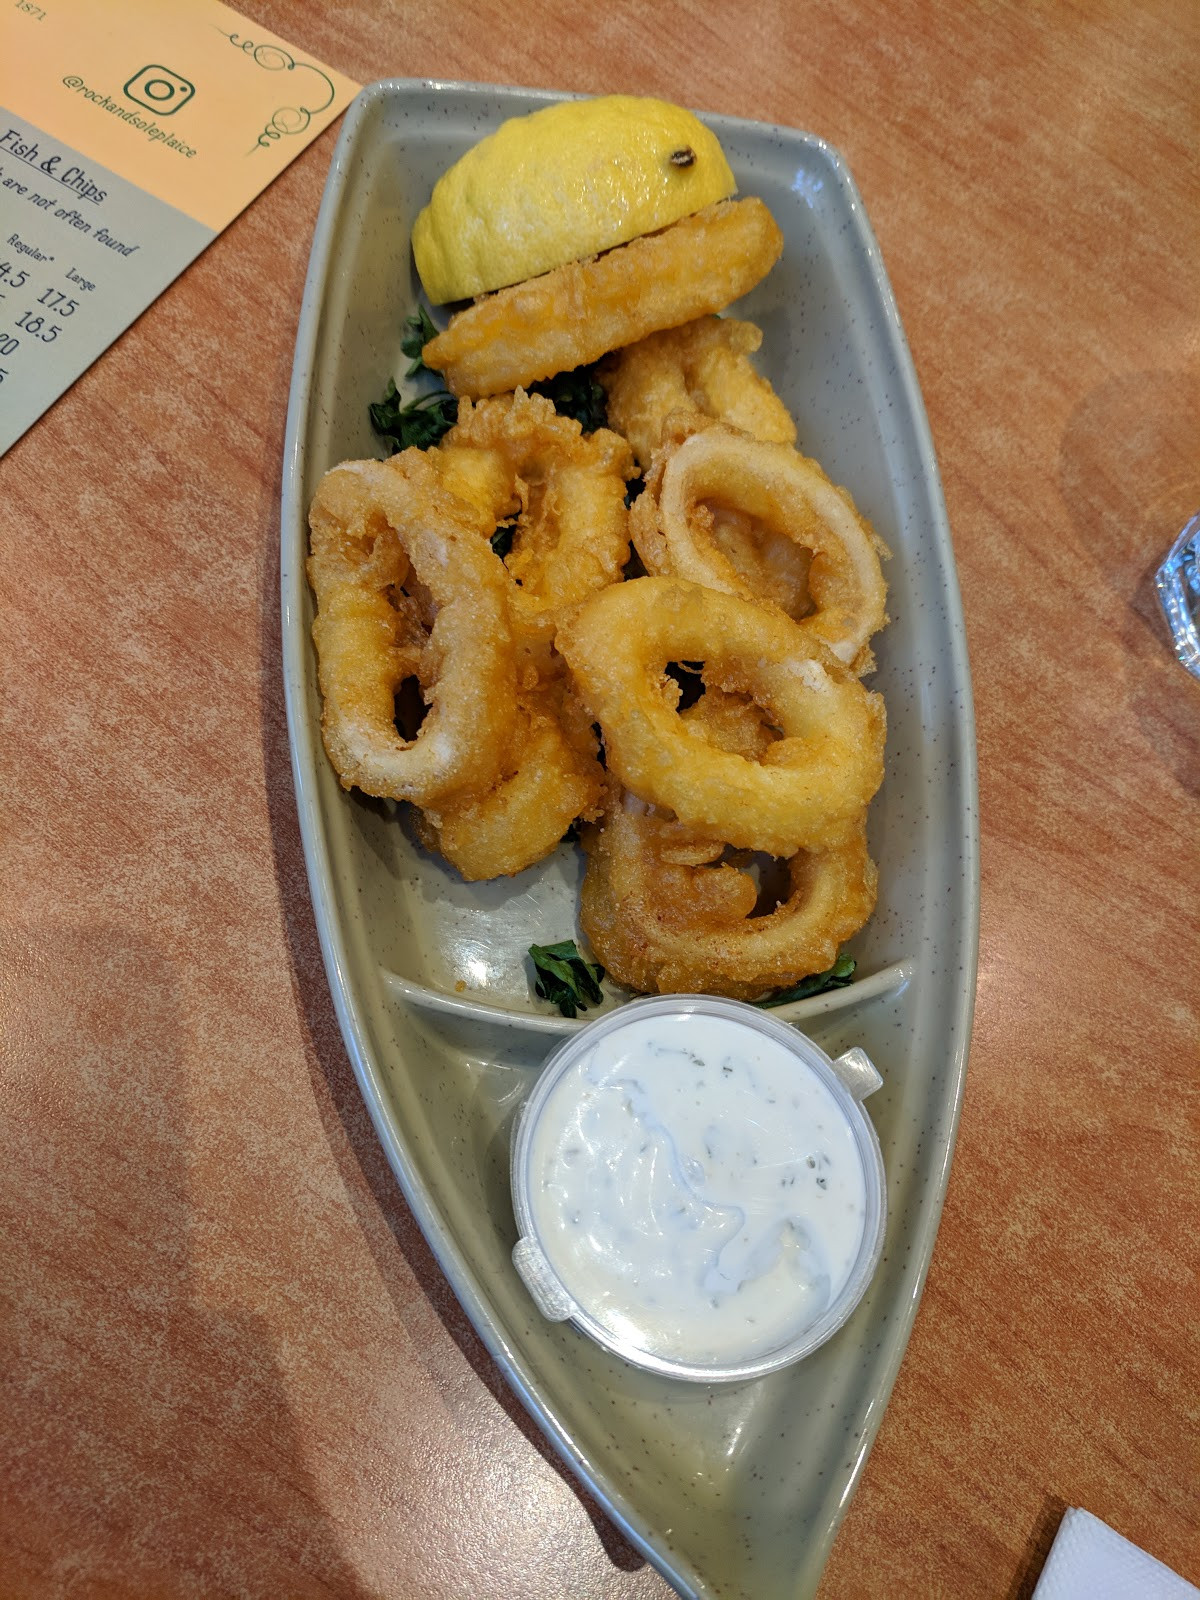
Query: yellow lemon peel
562, 183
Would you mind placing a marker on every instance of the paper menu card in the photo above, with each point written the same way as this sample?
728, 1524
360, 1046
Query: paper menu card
131, 133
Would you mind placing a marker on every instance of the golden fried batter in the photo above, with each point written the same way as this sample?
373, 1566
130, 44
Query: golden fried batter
810, 786
665, 911
680, 525
514, 456
702, 369
547, 782
376, 526
578, 313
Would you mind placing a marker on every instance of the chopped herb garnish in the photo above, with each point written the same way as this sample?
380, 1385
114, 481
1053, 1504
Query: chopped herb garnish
576, 394
838, 976
565, 978
418, 330
417, 423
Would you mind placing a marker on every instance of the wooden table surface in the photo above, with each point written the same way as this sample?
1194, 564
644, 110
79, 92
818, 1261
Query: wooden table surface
228, 1363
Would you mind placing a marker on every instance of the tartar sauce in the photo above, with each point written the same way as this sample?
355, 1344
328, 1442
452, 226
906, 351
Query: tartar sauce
697, 1189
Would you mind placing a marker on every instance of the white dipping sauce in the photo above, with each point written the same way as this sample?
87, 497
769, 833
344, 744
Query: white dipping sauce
697, 1189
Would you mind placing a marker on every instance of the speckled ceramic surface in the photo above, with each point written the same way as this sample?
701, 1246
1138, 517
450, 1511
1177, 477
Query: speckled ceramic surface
732, 1492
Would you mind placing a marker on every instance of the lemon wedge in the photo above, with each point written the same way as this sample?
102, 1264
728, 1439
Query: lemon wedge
562, 183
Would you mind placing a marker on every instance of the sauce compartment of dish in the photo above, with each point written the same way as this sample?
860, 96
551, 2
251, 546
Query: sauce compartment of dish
698, 1188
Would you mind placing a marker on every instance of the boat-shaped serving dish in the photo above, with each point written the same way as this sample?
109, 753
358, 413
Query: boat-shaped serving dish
736, 1490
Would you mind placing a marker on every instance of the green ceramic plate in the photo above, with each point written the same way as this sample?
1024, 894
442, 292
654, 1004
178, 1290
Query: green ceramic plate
733, 1491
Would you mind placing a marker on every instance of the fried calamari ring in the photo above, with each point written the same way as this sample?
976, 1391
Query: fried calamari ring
667, 909
717, 471
702, 369
515, 456
376, 527
665, 912
578, 313
812, 783
547, 783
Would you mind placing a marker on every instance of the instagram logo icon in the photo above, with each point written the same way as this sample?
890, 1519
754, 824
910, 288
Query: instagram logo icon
160, 90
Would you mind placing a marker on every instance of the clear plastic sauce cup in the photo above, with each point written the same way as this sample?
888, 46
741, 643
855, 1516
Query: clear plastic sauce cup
698, 1188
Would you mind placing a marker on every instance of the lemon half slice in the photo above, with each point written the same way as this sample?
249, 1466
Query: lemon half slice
562, 183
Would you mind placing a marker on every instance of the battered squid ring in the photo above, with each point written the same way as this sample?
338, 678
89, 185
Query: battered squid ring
812, 783
700, 370
785, 493
516, 456
575, 314
374, 526
549, 781
663, 913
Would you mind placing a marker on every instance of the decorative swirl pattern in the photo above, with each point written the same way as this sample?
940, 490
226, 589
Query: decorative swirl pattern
285, 120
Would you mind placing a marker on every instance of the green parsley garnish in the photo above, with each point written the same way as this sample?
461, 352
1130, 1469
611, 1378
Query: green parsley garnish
419, 329
576, 394
421, 422
837, 977
565, 978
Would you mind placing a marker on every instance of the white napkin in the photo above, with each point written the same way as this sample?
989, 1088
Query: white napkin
1089, 1561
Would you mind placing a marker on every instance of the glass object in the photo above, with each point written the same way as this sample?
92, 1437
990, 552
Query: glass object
1178, 585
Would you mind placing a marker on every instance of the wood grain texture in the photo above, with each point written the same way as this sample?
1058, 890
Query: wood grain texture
228, 1362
